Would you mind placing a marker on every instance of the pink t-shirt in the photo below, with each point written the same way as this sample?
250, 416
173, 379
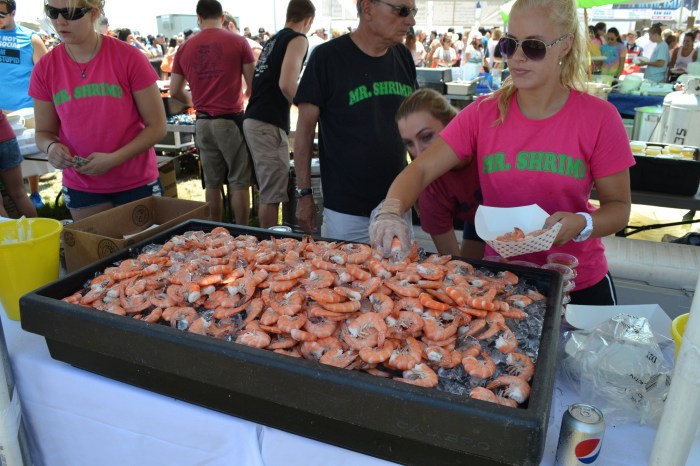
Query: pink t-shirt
98, 113
452, 195
212, 62
551, 162
6, 132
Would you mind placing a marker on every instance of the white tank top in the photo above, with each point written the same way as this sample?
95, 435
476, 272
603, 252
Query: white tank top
681, 61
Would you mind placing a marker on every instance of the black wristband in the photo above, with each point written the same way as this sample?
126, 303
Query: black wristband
49, 146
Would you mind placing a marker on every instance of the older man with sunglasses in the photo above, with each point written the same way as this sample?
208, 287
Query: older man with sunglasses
353, 86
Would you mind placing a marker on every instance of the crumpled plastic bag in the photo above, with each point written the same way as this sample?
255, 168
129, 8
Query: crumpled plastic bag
619, 367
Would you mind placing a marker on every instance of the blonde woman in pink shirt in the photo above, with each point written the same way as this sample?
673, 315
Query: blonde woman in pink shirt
538, 140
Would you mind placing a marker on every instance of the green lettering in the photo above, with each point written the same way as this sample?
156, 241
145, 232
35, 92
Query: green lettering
550, 162
61, 97
95, 89
495, 163
358, 94
521, 161
536, 161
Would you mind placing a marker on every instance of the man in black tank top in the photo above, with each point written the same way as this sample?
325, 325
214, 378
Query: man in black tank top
352, 87
266, 123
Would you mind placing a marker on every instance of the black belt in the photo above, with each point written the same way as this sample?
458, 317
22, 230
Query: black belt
226, 116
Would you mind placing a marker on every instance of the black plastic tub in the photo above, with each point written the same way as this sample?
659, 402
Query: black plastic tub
350, 409
663, 175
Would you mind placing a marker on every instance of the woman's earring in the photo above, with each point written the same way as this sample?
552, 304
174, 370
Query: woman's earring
560, 62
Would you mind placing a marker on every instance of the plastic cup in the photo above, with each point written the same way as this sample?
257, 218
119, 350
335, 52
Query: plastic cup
525, 264
567, 272
677, 330
562, 258
499, 259
29, 252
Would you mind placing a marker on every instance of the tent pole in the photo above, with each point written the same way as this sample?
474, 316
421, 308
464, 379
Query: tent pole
590, 63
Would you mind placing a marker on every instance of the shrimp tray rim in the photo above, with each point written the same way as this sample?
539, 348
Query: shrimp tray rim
401, 422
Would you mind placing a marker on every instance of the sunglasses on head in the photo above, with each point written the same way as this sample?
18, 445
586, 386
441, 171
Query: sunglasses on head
534, 49
403, 11
70, 14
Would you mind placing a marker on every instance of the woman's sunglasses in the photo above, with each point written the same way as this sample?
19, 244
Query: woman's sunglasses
534, 49
402, 10
70, 14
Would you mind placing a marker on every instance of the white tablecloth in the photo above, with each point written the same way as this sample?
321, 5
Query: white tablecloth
75, 417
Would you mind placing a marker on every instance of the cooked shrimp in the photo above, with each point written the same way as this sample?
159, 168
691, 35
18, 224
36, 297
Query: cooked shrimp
377, 354
320, 327
506, 341
406, 324
381, 304
481, 368
515, 387
346, 307
442, 357
421, 375
520, 365
325, 295
403, 288
254, 338
366, 330
356, 253
406, 355
318, 279
288, 323
519, 300
338, 357
428, 301
437, 329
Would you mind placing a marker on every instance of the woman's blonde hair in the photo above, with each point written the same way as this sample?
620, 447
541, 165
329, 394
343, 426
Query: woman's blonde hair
429, 100
563, 15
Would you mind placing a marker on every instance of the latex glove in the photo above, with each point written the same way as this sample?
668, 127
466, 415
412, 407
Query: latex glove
390, 232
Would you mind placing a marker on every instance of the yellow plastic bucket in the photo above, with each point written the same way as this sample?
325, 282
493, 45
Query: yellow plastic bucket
677, 330
29, 250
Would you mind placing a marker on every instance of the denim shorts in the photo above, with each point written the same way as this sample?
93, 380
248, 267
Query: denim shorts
10, 156
75, 199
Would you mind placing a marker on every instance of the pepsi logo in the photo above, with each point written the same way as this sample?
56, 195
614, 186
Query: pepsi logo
588, 450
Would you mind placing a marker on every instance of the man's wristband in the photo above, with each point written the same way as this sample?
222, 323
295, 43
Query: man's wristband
49, 146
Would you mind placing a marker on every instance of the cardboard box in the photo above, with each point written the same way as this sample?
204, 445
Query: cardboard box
168, 178
100, 235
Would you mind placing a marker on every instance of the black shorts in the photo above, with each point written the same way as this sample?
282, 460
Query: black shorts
600, 294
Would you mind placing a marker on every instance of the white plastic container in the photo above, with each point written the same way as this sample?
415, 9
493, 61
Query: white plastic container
684, 116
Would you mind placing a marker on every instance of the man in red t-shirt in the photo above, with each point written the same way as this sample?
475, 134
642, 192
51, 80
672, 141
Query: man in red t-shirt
214, 61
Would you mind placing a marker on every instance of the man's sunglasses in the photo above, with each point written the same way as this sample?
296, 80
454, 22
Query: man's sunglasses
402, 10
4, 15
534, 49
70, 14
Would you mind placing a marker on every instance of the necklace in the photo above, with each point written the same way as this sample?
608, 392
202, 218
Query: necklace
87, 63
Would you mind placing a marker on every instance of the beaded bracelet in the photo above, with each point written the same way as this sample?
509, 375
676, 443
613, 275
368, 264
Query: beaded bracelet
49, 146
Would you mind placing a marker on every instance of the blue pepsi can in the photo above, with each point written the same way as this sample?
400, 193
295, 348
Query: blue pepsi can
581, 435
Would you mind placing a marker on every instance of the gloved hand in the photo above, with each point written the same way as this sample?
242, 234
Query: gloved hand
390, 232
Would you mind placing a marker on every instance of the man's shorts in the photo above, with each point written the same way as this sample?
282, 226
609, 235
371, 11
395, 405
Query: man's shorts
10, 156
223, 152
269, 147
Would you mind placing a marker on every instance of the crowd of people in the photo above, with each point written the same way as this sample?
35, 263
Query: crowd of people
662, 54
99, 114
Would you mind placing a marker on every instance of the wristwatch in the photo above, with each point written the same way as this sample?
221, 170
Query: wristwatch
587, 230
301, 192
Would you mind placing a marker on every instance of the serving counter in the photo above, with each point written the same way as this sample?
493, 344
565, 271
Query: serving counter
76, 417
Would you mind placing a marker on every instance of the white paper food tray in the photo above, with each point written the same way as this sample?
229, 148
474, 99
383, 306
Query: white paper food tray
588, 317
492, 222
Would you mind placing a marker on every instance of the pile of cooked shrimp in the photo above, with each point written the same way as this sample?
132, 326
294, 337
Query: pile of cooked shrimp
340, 304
